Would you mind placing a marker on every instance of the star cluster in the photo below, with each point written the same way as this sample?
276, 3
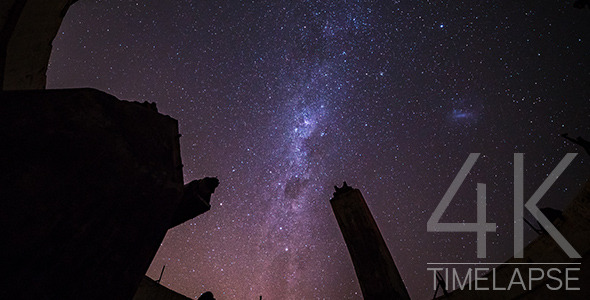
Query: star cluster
283, 99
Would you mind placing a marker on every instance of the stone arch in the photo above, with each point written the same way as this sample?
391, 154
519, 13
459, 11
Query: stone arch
27, 30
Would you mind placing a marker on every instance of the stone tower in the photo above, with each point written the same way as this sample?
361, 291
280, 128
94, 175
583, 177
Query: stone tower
374, 266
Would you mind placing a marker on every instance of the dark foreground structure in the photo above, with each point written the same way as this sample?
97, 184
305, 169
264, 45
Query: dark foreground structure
374, 266
90, 185
379, 278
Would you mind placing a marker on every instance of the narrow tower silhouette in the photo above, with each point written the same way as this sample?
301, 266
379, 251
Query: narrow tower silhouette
373, 264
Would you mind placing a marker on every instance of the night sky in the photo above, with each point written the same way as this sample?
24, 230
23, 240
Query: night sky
281, 100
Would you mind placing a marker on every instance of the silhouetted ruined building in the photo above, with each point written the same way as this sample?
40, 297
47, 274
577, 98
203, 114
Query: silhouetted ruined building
89, 183
374, 266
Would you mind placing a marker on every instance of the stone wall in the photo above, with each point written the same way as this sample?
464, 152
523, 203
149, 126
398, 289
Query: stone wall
89, 187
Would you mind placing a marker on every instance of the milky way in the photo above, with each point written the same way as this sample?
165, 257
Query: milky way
284, 99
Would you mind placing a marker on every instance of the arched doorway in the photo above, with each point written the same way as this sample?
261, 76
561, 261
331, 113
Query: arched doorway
28, 28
